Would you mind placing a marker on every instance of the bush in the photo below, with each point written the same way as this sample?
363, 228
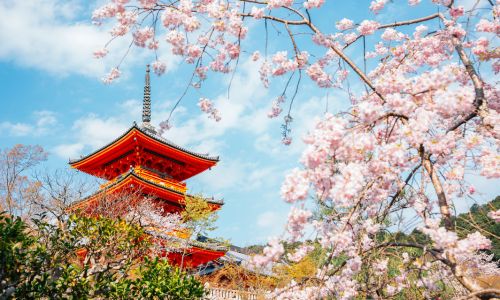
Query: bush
85, 258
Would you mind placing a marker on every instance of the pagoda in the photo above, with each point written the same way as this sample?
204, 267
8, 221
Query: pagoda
141, 160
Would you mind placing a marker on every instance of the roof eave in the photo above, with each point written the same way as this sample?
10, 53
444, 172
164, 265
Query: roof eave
214, 159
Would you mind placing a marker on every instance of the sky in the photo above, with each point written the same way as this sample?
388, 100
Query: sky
52, 95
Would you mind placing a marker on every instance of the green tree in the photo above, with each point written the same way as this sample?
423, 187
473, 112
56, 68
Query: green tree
85, 258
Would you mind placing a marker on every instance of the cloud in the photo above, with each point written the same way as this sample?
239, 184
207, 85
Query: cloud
90, 133
16, 129
44, 122
226, 175
39, 36
45, 118
266, 219
96, 132
69, 150
238, 112
49, 36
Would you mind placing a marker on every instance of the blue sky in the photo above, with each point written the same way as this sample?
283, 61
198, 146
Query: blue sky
51, 94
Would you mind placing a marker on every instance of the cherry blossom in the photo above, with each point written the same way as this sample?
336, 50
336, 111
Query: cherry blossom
114, 74
313, 3
377, 5
141, 36
276, 108
344, 24
495, 215
101, 53
416, 114
256, 56
159, 67
271, 253
300, 253
164, 126
207, 106
368, 27
295, 187
297, 219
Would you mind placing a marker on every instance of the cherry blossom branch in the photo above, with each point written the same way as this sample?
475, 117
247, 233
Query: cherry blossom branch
479, 99
443, 203
396, 24
482, 294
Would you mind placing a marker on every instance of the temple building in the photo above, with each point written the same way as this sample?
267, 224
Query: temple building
141, 160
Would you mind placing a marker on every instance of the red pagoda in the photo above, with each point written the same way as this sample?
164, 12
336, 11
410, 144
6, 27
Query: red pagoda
141, 160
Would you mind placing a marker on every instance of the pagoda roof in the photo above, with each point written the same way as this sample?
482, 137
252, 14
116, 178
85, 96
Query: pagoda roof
132, 175
192, 243
192, 253
117, 148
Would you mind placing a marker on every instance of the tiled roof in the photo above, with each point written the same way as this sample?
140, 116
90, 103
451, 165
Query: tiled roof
131, 172
154, 136
192, 243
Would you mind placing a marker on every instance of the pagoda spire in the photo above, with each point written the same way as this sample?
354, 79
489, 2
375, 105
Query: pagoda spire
146, 104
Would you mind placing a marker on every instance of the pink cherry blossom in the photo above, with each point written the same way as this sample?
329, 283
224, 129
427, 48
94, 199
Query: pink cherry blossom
100, 53
377, 5
107, 11
114, 74
317, 74
313, 3
207, 107
257, 13
457, 12
148, 4
295, 187
368, 27
141, 36
392, 35
344, 24
297, 219
380, 266
495, 215
164, 126
300, 253
271, 253
418, 102
256, 56
286, 140
279, 3
276, 107
488, 26
159, 67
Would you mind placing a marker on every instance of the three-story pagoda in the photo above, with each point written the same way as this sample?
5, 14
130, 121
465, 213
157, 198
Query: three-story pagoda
141, 160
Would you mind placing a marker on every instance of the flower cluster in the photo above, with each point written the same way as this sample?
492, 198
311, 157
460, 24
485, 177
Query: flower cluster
426, 118
207, 106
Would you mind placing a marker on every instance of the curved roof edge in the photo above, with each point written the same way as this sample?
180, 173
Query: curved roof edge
208, 246
153, 136
131, 172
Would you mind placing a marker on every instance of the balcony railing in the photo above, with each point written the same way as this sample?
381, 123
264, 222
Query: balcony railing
223, 294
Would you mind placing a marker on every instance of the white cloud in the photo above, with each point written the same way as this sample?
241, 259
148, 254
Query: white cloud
44, 121
36, 34
48, 35
90, 133
69, 150
227, 174
16, 129
45, 118
96, 132
238, 112
133, 108
267, 219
